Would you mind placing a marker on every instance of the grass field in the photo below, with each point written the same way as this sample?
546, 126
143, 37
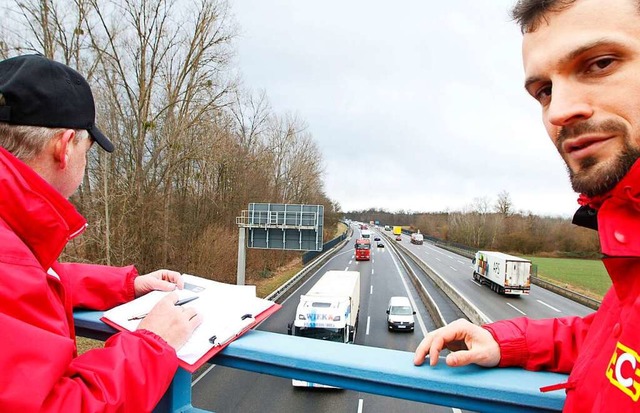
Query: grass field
588, 277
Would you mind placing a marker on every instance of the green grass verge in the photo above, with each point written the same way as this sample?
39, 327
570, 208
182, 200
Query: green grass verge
266, 286
588, 277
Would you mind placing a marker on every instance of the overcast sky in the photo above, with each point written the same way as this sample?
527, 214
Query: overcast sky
415, 105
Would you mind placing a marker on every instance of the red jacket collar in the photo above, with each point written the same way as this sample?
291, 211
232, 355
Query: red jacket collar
618, 214
35, 211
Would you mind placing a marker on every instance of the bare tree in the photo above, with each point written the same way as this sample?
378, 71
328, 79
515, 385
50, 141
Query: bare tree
503, 205
191, 149
54, 29
470, 226
165, 81
251, 114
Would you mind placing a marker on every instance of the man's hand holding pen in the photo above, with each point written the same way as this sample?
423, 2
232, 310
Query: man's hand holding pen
179, 302
173, 323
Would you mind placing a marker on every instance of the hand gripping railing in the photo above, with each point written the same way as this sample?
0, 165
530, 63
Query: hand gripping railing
367, 369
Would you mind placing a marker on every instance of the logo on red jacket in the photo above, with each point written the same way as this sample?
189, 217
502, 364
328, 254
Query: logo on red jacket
624, 371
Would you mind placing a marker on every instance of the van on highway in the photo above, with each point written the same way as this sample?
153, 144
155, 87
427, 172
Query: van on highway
400, 314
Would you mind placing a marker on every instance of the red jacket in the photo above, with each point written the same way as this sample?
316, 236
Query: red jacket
602, 350
40, 369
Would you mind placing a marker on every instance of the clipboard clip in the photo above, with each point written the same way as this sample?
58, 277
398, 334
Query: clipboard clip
213, 338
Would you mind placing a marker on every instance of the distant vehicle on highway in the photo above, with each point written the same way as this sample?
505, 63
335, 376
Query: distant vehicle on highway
363, 249
376, 239
380, 245
400, 314
398, 238
417, 238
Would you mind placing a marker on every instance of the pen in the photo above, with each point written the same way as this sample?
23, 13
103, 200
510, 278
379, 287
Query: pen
186, 300
179, 302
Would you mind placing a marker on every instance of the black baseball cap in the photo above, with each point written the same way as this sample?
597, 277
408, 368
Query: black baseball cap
41, 92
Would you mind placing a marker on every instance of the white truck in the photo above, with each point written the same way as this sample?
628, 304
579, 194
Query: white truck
505, 274
417, 238
329, 311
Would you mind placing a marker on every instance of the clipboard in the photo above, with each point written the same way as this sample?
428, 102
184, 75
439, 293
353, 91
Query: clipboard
228, 311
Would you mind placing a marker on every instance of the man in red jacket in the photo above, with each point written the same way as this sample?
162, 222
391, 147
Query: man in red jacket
47, 117
582, 64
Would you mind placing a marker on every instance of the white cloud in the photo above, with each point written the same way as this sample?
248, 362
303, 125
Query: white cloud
414, 105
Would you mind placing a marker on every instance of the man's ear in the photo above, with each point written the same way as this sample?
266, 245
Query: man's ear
62, 147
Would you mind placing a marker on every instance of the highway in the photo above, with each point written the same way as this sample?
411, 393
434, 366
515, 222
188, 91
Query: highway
457, 270
223, 389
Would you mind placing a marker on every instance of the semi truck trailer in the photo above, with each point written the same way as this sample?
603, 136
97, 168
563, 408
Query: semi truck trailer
503, 273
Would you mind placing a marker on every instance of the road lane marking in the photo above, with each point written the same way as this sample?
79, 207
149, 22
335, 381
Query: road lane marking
368, 323
453, 268
438, 259
347, 269
423, 328
516, 308
372, 271
360, 403
461, 262
371, 290
476, 283
551, 307
193, 383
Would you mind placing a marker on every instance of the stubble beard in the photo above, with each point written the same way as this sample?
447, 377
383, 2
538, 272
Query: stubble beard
595, 178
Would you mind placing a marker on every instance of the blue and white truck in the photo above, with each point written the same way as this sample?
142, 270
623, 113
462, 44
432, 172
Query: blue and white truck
329, 311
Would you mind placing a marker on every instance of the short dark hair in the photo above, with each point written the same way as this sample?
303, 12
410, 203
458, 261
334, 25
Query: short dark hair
530, 13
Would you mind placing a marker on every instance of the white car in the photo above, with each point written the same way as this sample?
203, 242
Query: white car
400, 314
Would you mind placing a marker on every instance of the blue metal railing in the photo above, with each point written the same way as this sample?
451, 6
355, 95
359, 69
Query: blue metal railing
368, 369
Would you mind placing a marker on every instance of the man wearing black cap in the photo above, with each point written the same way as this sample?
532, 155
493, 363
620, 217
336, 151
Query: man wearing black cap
47, 126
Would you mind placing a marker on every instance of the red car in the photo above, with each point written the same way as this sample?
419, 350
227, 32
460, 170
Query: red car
398, 238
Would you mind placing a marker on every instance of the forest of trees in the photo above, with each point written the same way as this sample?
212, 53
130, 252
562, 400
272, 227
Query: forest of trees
496, 226
193, 147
